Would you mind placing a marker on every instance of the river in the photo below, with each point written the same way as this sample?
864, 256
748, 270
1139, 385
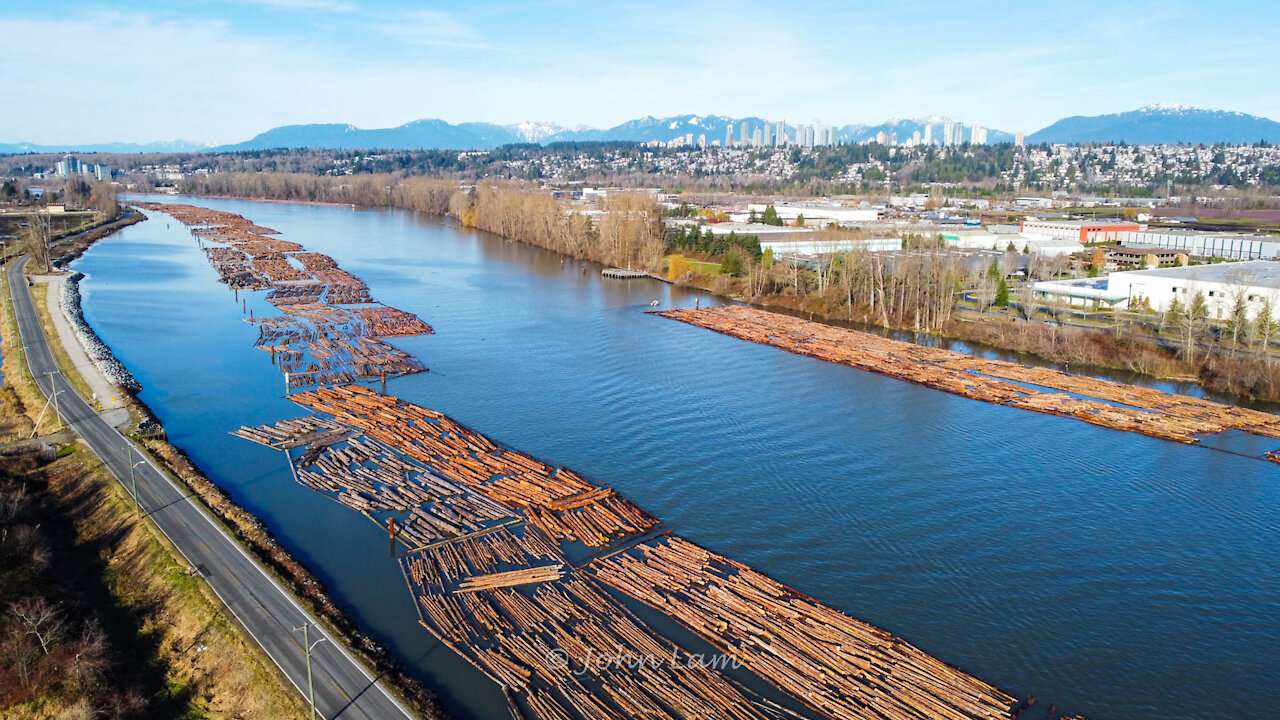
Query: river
1108, 573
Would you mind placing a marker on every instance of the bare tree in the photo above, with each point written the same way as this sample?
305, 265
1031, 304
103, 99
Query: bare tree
1028, 299
36, 240
1010, 260
1265, 326
985, 292
90, 659
1237, 308
1189, 320
41, 619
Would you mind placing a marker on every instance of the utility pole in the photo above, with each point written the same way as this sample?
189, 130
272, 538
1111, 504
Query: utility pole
307, 646
133, 480
56, 413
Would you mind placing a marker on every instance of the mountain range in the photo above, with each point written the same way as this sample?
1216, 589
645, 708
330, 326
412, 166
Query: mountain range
164, 146
1162, 125
1154, 124
422, 134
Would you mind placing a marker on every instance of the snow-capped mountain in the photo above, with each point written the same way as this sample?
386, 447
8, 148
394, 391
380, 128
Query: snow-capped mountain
905, 129
161, 146
438, 134
536, 131
649, 128
1154, 124
1162, 124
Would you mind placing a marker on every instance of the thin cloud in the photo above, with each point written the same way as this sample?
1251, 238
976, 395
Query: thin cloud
334, 6
432, 28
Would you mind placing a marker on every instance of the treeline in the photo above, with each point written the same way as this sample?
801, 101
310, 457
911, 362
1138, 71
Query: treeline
819, 170
628, 233
916, 290
77, 192
423, 194
700, 239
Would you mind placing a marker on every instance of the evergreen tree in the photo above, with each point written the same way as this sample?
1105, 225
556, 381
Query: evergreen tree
1238, 322
732, 263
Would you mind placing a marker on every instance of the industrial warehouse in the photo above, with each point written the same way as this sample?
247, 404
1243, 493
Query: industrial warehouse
1221, 284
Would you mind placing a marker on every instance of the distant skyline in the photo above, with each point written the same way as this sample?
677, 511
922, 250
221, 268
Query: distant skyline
221, 72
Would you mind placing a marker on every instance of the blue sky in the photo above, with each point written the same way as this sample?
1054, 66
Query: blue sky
223, 71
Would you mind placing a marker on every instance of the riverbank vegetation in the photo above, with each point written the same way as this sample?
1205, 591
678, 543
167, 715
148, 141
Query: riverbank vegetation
91, 211
98, 618
252, 534
917, 291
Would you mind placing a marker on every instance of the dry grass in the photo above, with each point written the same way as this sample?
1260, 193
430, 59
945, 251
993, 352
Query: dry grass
201, 664
205, 654
40, 297
209, 667
22, 392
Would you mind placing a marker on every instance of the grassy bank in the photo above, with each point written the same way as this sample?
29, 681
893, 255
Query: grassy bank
254, 536
68, 250
130, 634
40, 298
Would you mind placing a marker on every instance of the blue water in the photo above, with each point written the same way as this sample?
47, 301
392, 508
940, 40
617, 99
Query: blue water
1108, 573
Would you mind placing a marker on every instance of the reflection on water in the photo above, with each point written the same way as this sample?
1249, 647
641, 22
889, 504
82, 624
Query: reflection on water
1109, 573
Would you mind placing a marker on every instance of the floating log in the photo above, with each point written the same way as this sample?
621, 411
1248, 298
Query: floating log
507, 599
523, 576
1109, 404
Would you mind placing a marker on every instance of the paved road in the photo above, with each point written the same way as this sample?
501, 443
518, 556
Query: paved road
343, 687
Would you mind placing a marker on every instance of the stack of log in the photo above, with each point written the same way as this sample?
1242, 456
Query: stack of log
842, 667
344, 288
288, 434
330, 341
315, 262
303, 293
213, 221
385, 321
233, 268
516, 636
563, 504
511, 578
597, 524
278, 269
515, 609
328, 347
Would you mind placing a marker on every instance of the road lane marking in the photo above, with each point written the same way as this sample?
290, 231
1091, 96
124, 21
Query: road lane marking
28, 325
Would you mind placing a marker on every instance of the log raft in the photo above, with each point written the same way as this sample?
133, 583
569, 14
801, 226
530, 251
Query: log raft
507, 598
321, 340
1119, 406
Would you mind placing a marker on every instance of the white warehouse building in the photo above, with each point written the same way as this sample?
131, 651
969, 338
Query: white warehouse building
830, 247
1220, 245
984, 240
1221, 284
822, 213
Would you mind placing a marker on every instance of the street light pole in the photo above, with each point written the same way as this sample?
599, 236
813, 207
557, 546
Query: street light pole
55, 395
56, 414
133, 480
307, 646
